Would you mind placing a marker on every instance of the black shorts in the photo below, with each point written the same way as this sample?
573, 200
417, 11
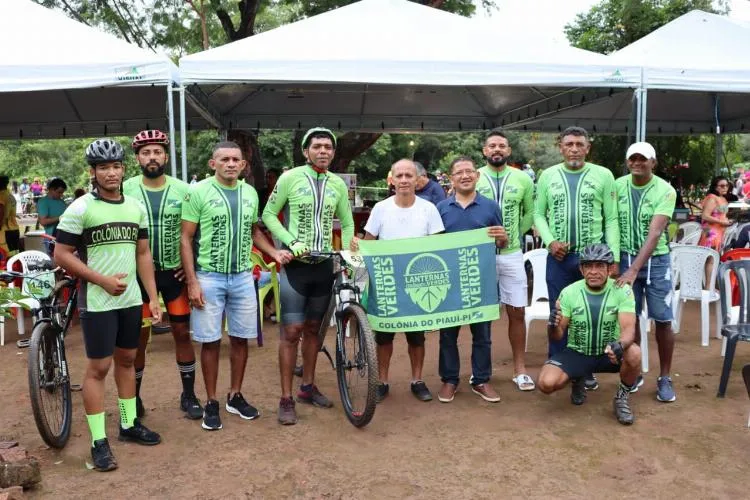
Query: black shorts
576, 365
415, 339
105, 330
174, 294
305, 291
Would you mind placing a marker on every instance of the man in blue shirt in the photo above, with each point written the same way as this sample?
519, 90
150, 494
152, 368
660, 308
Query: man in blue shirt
51, 207
428, 189
463, 211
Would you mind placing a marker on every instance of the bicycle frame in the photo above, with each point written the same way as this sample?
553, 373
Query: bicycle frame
341, 285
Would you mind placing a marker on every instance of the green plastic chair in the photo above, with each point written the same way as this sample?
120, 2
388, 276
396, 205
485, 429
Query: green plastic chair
273, 286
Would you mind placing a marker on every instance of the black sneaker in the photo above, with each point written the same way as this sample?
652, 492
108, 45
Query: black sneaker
101, 455
211, 418
637, 385
191, 405
139, 434
591, 383
298, 371
313, 397
140, 410
382, 392
622, 406
578, 391
239, 406
420, 391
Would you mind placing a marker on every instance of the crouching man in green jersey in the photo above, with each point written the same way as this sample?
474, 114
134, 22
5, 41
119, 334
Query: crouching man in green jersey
600, 319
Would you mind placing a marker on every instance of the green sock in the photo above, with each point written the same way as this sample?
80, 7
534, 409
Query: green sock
97, 427
127, 412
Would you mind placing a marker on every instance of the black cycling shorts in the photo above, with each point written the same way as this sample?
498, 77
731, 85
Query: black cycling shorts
305, 291
576, 365
174, 294
105, 330
13, 239
415, 339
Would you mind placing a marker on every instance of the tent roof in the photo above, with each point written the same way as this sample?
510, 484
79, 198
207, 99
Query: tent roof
388, 65
73, 56
697, 51
76, 80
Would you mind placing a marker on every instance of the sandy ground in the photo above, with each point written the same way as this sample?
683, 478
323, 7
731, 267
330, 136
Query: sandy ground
529, 445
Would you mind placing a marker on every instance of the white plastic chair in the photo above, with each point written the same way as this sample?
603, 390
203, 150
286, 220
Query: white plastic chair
689, 263
29, 259
688, 233
730, 235
539, 307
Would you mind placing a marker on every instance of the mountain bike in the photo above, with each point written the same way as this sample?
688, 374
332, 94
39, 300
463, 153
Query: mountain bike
49, 379
355, 359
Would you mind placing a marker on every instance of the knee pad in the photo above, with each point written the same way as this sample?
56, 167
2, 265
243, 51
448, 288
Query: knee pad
415, 339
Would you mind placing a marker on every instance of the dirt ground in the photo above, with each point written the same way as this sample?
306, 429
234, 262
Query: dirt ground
528, 446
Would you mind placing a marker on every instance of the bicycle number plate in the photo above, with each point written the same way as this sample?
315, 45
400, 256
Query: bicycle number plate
39, 286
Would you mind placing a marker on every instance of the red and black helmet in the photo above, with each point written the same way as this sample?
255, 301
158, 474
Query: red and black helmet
145, 137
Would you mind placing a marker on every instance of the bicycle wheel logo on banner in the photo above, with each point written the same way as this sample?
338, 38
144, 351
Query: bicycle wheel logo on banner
427, 281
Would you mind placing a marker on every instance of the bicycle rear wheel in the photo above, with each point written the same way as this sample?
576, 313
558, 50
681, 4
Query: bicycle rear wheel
49, 385
356, 366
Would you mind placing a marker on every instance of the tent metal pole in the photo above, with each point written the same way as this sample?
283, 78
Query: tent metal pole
172, 153
719, 142
183, 134
642, 109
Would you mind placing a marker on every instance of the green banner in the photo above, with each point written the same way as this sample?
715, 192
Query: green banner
429, 283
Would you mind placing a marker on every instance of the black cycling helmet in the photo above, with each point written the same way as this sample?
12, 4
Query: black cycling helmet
103, 151
598, 252
314, 132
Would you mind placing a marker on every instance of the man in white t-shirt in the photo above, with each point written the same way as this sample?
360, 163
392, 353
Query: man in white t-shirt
403, 215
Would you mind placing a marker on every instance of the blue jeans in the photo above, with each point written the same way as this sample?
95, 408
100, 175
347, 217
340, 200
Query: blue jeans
481, 354
559, 275
654, 281
230, 295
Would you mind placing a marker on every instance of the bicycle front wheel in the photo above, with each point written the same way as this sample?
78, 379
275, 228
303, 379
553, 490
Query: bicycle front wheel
49, 385
356, 366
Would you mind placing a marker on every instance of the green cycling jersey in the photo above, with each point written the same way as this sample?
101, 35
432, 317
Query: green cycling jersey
164, 209
637, 206
578, 207
309, 201
513, 191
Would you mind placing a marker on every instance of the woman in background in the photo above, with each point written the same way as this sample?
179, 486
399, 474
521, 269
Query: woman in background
714, 217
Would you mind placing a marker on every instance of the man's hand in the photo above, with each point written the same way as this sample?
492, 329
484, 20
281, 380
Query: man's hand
627, 278
282, 256
298, 248
614, 270
155, 308
500, 235
614, 350
354, 244
195, 295
114, 285
558, 249
179, 274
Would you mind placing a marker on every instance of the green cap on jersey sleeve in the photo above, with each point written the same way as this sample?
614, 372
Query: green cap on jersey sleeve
163, 208
106, 234
578, 207
594, 316
225, 217
309, 202
637, 206
513, 190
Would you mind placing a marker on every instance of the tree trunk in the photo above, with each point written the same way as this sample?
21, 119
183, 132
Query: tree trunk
248, 143
350, 146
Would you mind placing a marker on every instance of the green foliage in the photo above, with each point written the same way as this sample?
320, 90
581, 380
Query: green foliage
613, 24
10, 295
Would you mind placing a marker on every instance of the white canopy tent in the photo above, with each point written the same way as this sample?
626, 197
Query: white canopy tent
61, 78
394, 65
696, 75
